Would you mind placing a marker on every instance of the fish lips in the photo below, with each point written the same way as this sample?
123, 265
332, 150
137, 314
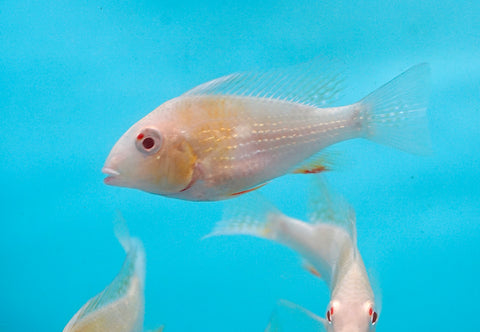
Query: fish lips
112, 176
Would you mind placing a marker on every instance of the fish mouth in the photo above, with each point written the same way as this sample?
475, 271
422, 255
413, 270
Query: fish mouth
112, 175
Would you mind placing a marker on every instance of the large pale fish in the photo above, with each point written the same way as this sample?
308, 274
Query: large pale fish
328, 244
234, 134
120, 306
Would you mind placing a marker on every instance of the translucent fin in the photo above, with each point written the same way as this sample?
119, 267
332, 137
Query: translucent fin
326, 160
320, 244
312, 269
290, 317
121, 231
160, 329
129, 282
248, 215
325, 206
313, 83
396, 113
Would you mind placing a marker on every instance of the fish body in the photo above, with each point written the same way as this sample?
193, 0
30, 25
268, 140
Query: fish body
328, 243
217, 141
120, 306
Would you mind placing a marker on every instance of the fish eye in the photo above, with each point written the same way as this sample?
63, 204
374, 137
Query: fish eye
148, 141
330, 314
373, 316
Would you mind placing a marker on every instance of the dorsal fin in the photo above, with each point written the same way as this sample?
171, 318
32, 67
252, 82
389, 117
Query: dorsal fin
313, 83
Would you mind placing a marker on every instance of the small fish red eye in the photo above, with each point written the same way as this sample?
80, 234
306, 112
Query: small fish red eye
370, 311
148, 143
374, 317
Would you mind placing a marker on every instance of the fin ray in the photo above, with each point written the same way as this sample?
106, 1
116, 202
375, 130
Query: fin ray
133, 265
396, 113
289, 316
312, 83
323, 161
328, 207
247, 215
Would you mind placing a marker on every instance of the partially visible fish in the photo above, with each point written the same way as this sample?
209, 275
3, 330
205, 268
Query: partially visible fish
329, 245
234, 134
120, 306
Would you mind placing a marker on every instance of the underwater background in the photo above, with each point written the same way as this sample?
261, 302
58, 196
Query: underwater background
75, 75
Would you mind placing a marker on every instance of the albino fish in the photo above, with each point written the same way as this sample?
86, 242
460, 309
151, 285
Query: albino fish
329, 246
234, 134
120, 306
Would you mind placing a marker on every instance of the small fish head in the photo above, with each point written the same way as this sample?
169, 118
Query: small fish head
351, 316
151, 156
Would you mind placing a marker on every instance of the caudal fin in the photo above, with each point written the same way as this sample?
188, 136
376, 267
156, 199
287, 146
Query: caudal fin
252, 215
396, 113
122, 301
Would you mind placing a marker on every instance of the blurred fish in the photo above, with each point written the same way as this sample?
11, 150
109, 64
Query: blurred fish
290, 317
329, 246
232, 135
120, 306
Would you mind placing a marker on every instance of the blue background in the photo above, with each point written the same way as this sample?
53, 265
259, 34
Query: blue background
75, 75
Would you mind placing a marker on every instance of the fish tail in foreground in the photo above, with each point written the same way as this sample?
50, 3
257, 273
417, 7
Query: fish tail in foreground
396, 113
250, 215
255, 216
133, 248
120, 306
289, 316
321, 241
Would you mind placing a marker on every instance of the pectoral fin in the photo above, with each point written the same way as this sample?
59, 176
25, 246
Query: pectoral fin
326, 160
289, 316
248, 190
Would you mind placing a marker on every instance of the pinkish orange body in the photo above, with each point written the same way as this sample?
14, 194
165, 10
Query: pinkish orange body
207, 146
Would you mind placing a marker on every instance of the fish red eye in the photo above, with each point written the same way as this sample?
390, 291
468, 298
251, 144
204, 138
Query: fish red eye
373, 316
148, 141
329, 314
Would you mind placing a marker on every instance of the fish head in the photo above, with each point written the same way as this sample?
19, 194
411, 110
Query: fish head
351, 317
152, 156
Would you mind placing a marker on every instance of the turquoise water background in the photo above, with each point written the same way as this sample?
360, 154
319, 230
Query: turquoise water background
75, 75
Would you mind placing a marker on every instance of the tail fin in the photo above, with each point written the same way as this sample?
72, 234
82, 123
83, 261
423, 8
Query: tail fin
248, 215
121, 303
135, 261
396, 113
289, 316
